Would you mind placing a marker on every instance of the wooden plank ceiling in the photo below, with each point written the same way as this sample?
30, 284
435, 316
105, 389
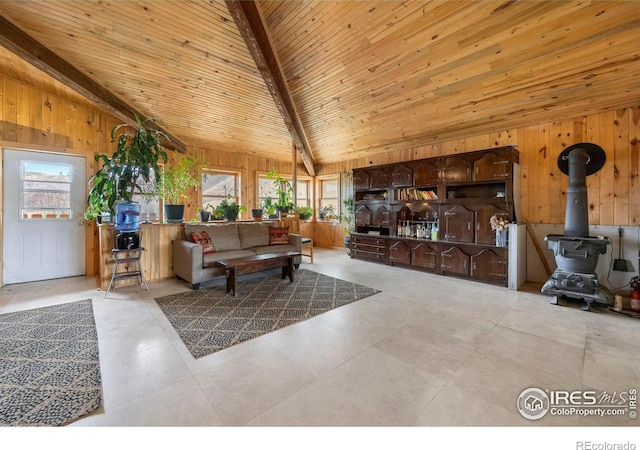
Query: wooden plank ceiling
364, 76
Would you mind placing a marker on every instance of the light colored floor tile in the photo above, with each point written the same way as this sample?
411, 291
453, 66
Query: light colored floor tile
132, 375
316, 346
426, 351
563, 361
315, 406
604, 372
242, 389
457, 407
534, 315
501, 380
389, 390
178, 405
432, 352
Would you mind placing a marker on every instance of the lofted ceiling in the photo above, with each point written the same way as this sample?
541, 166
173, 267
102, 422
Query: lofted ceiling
363, 76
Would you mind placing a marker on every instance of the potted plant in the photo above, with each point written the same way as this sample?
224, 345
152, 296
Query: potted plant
257, 214
305, 212
327, 213
268, 206
347, 219
203, 214
94, 211
284, 191
173, 185
229, 208
136, 157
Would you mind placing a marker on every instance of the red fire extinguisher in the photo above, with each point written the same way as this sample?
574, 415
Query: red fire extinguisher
635, 294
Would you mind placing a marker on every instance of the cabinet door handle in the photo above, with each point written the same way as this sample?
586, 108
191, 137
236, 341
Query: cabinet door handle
478, 226
477, 170
468, 226
464, 263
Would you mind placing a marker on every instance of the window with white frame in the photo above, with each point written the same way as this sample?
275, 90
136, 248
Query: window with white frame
218, 185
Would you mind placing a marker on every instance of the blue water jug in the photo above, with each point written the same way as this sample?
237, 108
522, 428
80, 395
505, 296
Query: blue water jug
127, 216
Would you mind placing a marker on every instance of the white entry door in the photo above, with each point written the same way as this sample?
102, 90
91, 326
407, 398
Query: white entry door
44, 197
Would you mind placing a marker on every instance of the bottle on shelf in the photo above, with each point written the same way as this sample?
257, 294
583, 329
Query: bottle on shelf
434, 232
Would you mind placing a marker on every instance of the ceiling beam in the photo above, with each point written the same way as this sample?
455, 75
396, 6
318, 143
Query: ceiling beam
36, 54
249, 21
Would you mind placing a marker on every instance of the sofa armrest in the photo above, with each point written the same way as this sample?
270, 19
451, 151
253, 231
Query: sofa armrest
187, 260
296, 240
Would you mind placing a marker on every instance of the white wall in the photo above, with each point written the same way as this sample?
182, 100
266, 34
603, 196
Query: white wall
617, 282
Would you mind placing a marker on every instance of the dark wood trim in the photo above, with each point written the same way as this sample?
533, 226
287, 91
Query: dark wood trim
36, 54
251, 25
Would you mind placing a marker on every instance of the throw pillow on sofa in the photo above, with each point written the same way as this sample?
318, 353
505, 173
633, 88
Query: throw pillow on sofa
278, 235
204, 240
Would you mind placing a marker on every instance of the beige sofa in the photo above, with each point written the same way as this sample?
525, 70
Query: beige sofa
230, 240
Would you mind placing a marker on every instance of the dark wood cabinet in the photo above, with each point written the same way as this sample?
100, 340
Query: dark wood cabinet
457, 169
399, 253
382, 216
454, 261
380, 178
484, 233
489, 266
491, 166
361, 179
363, 216
425, 256
370, 248
459, 224
458, 194
426, 173
401, 175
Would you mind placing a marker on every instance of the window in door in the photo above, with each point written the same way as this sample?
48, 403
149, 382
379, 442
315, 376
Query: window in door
46, 190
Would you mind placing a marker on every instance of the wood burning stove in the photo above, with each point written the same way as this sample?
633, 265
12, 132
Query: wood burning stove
576, 252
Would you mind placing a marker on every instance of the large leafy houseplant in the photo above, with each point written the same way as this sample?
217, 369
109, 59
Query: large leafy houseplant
284, 191
136, 157
174, 181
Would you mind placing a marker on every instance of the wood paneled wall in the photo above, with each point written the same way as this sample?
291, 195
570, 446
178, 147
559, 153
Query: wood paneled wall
613, 192
34, 119
31, 118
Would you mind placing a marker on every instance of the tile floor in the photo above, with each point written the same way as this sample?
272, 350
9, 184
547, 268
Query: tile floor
426, 351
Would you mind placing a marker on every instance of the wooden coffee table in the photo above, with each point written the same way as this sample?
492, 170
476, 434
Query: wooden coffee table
249, 264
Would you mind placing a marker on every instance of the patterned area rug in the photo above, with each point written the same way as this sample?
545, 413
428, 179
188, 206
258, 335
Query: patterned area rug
49, 366
210, 320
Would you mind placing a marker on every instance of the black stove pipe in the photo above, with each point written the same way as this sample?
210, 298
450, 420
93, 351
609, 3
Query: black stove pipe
577, 211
